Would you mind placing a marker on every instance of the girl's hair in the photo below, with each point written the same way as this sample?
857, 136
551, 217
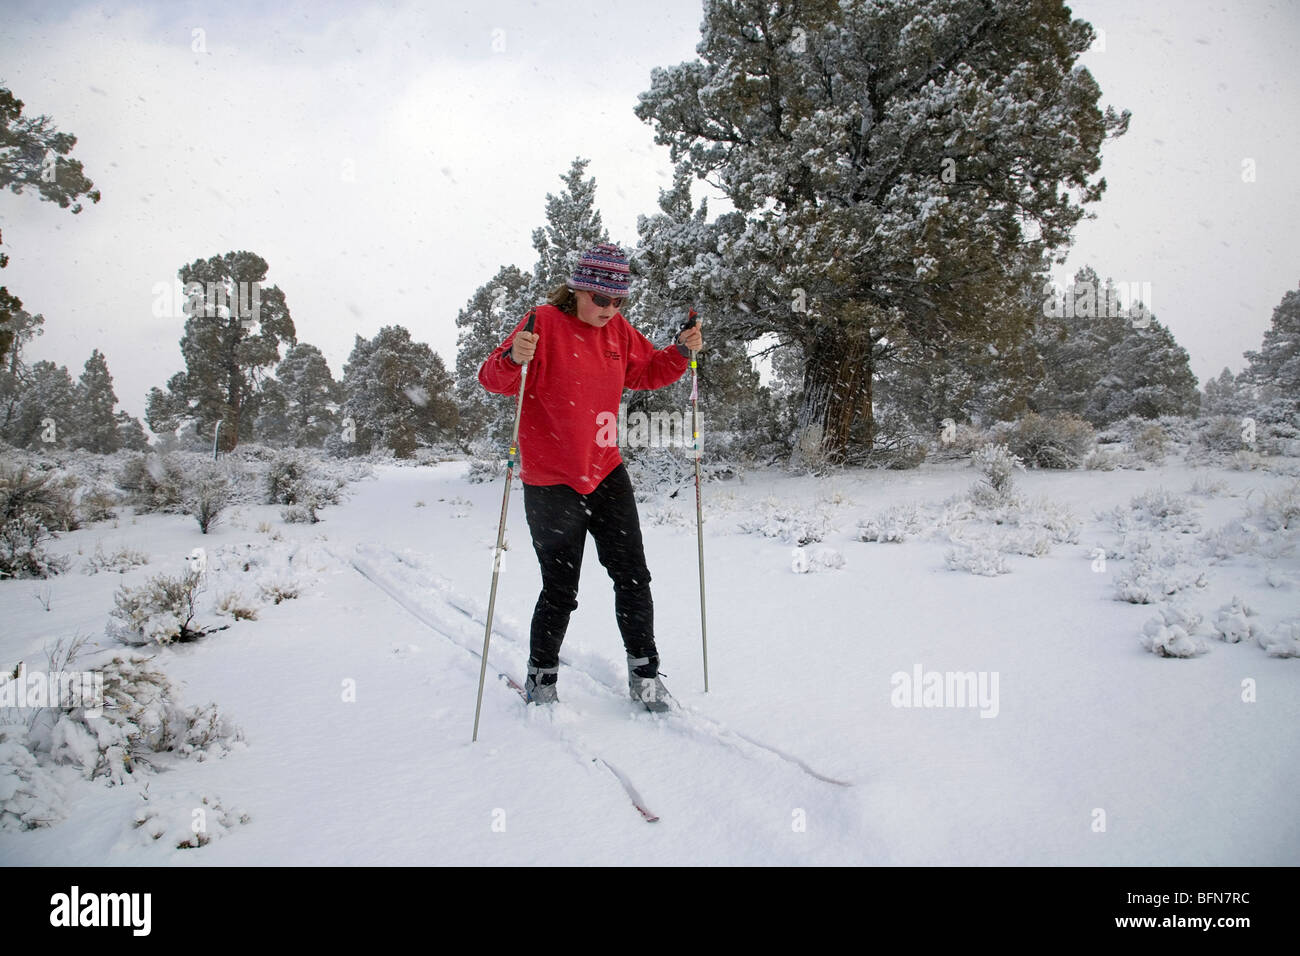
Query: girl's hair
564, 299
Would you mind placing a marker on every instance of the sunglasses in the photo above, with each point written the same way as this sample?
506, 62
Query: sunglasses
604, 301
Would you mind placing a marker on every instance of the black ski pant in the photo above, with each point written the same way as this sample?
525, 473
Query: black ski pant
559, 519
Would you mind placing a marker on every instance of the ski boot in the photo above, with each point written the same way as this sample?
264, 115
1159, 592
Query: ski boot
539, 685
644, 685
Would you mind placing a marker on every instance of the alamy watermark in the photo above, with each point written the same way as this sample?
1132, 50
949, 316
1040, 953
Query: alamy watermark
639, 430
1091, 300
216, 299
922, 688
61, 689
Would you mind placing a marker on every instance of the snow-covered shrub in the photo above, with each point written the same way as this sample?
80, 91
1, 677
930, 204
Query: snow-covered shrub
160, 611
206, 495
142, 718
1246, 460
277, 589
1150, 444
22, 549
30, 797
121, 561
1171, 633
153, 483
1101, 459
997, 464
804, 560
1280, 510
978, 557
171, 821
1162, 509
1156, 574
1207, 487
895, 523
1221, 433
236, 605
1061, 441
304, 513
787, 522
1284, 641
485, 469
39, 494
1231, 621
99, 504
285, 478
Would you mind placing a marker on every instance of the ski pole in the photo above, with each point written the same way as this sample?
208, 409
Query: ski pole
501, 530
692, 320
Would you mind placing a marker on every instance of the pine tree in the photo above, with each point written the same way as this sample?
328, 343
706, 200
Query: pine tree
15, 376
233, 333
307, 390
902, 171
45, 414
1275, 368
398, 394
572, 227
1225, 395
96, 426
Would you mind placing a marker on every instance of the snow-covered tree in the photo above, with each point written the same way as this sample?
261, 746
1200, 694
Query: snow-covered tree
296, 404
902, 171
1275, 368
21, 327
233, 333
572, 227
45, 413
398, 393
96, 425
1225, 395
486, 320
671, 266
1105, 360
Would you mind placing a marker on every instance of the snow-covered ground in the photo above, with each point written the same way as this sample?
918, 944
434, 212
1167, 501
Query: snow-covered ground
356, 698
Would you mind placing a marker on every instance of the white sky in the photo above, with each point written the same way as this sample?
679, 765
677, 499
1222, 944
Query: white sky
454, 121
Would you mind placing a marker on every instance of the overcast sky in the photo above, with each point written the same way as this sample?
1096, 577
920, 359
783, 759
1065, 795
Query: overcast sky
385, 159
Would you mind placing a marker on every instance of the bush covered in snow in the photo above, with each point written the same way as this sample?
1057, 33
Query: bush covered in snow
1171, 633
787, 521
22, 549
30, 796
142, 719
120, 561
1156, 572
153, 482
160, 611
1059, 441
206, 495
997, 464
978, 557
896, 523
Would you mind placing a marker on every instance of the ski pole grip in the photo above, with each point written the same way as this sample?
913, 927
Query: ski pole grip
532, 314
692, 319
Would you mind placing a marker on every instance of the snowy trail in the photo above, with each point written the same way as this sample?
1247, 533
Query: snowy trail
368, 571
595, 718
420, 574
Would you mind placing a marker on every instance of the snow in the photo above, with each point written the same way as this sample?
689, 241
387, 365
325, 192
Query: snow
356, 713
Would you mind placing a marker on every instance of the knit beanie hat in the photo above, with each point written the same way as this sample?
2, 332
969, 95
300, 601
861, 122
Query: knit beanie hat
602, 268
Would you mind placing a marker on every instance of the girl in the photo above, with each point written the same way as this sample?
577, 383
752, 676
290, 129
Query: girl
583, 353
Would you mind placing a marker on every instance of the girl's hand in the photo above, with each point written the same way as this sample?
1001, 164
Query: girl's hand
523, 347
692, 338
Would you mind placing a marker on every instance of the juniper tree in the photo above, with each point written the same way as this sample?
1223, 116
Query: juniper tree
1275, 368
232, 335
902, 170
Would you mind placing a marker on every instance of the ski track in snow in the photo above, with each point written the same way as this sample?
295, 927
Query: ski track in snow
696, 721
367, 571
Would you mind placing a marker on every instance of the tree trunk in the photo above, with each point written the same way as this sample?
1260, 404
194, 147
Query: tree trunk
837, 387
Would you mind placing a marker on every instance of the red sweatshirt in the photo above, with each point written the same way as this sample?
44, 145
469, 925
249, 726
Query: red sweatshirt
577, 373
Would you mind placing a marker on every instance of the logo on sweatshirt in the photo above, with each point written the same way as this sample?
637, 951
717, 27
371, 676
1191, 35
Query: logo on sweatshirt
611, 354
